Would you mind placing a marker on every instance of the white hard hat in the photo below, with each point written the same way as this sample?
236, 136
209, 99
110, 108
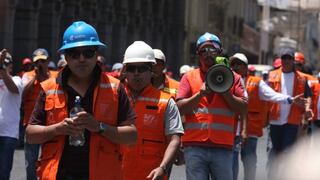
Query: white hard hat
117, 66
158, 54
139, 51
184, 69
239, 56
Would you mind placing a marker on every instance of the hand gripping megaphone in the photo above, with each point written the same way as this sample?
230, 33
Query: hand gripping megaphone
219, 78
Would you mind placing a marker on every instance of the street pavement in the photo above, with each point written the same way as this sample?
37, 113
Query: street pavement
178, 172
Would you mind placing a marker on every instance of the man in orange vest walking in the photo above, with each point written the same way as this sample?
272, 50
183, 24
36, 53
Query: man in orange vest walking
285, 119
31, 81
209, 126
160, 80
258, 93
158, 120
106, 120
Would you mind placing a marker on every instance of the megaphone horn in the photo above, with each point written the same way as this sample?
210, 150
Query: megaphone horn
219, 78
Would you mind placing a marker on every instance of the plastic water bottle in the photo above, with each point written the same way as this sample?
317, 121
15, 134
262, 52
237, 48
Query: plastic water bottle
76, 140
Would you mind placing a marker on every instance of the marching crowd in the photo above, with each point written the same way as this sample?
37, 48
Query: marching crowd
136, 121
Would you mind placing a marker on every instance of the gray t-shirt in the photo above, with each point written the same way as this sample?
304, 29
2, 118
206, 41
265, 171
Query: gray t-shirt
173, 123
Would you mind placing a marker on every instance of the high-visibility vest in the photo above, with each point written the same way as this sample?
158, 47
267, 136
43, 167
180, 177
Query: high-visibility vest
104, 156
296, 112
171, 86
213, 121
257, 108
315, 99
144, 156
312, 82
31, 98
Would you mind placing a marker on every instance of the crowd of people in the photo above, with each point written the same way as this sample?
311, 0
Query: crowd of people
137, 121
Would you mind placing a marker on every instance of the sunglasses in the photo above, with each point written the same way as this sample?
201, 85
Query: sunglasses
298, 64
237, 63
140, 69
209, 51
86, 53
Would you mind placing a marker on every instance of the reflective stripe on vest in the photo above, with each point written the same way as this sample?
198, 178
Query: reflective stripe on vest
214, 126
216, 111
170, 90
108, 85
54, 91
152, 99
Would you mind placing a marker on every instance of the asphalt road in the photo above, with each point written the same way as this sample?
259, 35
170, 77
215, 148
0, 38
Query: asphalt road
178, 172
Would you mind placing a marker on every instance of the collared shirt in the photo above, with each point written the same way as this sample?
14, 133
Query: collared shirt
71, 156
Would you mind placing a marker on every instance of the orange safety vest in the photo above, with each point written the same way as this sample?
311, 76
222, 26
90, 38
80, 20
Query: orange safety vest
296, 112
171, 86
312, 81
257, 108
315, 98
104, 157
213, 121
31, 98
141, 158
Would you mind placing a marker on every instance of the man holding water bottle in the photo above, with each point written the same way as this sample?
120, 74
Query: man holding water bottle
106, 121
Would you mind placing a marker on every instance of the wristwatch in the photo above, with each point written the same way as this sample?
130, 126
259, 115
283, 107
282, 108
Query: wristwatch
290, 100
164, 168
102, 128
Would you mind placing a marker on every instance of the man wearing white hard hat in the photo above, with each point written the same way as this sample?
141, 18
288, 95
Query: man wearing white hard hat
184, 69
158, 120
258, 93
159, 78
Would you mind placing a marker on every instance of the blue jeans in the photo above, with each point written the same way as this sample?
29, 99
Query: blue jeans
204, 162
248, 158
7, 147
282, 137
31, 153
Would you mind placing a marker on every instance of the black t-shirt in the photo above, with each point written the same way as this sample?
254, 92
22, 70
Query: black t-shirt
75, 160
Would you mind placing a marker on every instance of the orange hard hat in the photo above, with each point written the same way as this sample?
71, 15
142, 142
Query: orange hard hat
299, 57
277, 63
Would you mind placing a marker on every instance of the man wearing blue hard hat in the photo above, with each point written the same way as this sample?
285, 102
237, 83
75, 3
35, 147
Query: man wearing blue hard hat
106, 120
209, 125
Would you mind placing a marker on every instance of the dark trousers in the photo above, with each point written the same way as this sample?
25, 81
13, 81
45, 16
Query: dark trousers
282, 137
7, 147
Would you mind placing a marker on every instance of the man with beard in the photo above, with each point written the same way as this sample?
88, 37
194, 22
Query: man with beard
158, 120
209, 126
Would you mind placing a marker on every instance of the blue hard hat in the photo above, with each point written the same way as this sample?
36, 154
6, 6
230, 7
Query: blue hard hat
80, 34
211, 38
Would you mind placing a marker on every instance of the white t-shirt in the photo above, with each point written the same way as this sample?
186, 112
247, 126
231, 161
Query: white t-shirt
287, 89
10, 109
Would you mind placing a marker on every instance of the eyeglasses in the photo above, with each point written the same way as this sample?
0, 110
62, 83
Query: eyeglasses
208, 51
140, 69
86, 53
298, 64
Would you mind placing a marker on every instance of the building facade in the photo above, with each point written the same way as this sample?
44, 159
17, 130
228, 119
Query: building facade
30, 24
